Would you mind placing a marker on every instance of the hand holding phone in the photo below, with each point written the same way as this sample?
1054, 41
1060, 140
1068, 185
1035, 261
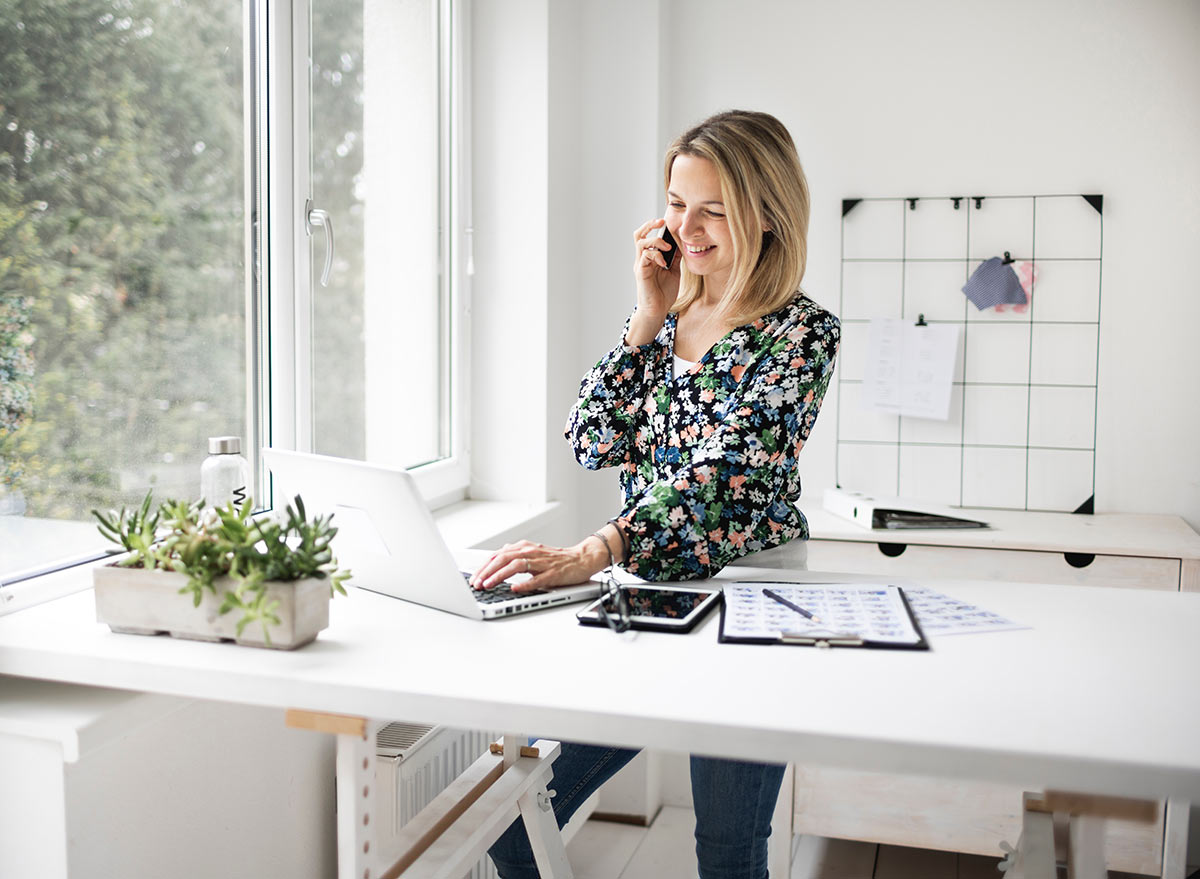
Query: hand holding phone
657, 288
665, 234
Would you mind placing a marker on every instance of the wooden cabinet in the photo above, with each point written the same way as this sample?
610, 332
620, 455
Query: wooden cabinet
1127, 551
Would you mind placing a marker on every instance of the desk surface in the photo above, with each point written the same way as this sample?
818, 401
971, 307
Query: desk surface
1100, 696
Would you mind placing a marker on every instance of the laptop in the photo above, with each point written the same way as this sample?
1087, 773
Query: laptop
389, 541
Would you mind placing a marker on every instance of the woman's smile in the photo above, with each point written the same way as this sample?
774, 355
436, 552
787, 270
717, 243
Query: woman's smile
696, 217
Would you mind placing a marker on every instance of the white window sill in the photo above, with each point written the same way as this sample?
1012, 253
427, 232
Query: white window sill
464, 525
488, 524
47, 587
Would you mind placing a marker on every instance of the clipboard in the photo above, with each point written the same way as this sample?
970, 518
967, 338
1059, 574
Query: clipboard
870, 615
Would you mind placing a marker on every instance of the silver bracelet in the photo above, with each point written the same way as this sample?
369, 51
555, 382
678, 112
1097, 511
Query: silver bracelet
604, 540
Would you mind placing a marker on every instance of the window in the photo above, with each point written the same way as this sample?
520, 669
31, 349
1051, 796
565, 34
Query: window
122, 269
374, 148
158, 281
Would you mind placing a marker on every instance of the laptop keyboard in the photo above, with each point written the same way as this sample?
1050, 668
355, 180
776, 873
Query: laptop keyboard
500, 592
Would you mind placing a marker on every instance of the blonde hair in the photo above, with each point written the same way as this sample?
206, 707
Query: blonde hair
763, 187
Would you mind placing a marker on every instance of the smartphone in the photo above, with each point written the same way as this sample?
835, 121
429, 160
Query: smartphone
665, 234
659, 608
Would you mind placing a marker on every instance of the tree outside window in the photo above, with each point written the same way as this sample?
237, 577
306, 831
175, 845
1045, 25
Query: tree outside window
122, 289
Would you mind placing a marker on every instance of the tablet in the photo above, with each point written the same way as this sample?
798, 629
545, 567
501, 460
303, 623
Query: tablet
659, 608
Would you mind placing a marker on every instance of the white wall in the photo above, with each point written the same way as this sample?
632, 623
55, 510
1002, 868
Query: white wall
565, 167
884, 99
604, 184
949, 97
946, 97
510, 122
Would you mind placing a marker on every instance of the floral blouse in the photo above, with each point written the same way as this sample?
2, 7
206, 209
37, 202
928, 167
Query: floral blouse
708, 458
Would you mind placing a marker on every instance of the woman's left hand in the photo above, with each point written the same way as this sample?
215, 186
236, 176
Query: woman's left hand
548, 566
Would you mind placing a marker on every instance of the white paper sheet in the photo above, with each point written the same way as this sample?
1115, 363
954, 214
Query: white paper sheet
870, 611
910, 368
939, 614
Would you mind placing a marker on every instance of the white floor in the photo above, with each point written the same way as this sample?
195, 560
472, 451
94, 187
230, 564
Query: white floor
665, 850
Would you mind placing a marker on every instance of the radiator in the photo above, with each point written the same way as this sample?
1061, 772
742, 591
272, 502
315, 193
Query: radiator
415, 763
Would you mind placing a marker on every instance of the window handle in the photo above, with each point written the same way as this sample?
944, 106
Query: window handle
314, 217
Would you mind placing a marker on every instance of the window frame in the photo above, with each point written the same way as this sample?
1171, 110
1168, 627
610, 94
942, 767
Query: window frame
277, 283
282, 302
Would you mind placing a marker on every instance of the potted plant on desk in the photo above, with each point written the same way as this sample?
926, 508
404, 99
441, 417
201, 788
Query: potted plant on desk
278, 575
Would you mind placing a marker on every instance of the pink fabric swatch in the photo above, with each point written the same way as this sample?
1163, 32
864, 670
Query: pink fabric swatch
1027, 274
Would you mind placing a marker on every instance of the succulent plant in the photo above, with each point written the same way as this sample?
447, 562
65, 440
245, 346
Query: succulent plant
207, 543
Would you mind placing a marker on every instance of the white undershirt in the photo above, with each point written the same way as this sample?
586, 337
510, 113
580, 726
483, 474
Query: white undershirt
682, 366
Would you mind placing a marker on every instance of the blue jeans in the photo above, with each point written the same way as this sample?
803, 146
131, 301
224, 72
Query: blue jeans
733, 800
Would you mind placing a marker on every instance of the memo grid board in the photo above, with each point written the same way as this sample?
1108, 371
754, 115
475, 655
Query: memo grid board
1022, 427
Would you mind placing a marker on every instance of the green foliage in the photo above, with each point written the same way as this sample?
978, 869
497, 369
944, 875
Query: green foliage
122, 240
207, 544
135, 531
121, 246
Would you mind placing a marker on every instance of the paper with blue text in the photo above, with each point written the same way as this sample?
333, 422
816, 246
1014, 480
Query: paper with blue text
838, 614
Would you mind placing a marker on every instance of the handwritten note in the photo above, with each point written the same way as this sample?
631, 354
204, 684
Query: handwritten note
910, 369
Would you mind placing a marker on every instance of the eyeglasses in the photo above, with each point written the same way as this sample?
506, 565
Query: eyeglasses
614, 605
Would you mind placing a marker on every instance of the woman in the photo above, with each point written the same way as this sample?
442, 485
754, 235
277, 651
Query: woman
704, 406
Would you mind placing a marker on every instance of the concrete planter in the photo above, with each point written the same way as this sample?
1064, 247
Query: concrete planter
142, 602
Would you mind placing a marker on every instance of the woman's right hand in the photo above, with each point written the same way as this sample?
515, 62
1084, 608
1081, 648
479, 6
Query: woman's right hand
657, 285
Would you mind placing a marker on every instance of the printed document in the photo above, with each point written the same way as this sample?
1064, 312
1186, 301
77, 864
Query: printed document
910, 368
870, 611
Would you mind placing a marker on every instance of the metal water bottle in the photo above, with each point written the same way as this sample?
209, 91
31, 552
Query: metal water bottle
225, 474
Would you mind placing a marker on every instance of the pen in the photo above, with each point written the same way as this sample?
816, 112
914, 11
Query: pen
797, 608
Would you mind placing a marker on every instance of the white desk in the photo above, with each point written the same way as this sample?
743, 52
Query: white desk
1032, 707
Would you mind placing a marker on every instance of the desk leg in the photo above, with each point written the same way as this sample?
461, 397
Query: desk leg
537, 811
1085, 848
355, 774
1175, 838
779, 844
1034, 856
451, 833
549, 853
356, 814
1085, 815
